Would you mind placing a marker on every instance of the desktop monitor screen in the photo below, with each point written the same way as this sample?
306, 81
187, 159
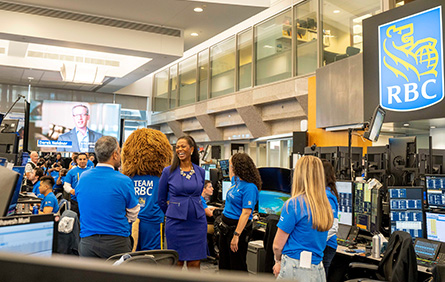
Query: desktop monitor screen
25, 158
435, 189
31, 235
8, 184
224, 164
344, 189
271, 202
376, 125
20, 170
225, 188
362, 206
435, 226
406, 210
276, 179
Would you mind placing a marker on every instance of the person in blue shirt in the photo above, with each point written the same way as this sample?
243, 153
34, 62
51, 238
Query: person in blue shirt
49, 202
237, 215
72, 179
331, 192
207, 192
145, 153
35, 179
107, 203
303, 226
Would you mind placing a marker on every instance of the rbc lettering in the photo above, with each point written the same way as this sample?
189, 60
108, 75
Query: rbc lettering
410, 92
142, 191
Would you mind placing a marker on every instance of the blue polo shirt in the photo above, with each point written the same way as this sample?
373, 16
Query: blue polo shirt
36, 190
242, 195
332, 242
302, 237
50, 200
73, 176
90, 164
146, 189
104, 195
204, 204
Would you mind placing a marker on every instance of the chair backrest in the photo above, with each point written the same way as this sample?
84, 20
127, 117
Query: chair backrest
159, 257
399, 261
350, 51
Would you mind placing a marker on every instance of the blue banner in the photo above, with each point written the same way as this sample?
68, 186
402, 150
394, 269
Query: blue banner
411, 61
54, 143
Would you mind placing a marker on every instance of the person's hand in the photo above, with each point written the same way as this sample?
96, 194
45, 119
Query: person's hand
73, 192
276, 268
234, 244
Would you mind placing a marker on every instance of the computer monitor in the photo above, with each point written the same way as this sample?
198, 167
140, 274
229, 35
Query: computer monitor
426, 249
271, 202
435, 226
225, 188
375, 126
25, 158
344, 189
207, 168
362, 206
8, 184
406, 210
276, 179
9, 126
224, 164
31, 235
20, 170
435, 190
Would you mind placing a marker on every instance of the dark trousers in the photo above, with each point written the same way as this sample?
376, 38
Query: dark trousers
228, 259
75, 207
328, 255
104, 246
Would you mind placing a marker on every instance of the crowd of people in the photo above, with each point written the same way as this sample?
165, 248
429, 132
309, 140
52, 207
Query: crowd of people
125, 198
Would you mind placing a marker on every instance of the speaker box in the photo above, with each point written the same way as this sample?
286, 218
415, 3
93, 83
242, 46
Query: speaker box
216, 152
300, 141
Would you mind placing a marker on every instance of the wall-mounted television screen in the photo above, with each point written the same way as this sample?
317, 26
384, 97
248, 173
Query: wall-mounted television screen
71, 126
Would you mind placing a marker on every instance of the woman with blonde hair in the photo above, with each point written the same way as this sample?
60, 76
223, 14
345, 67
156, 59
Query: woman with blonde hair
303, 227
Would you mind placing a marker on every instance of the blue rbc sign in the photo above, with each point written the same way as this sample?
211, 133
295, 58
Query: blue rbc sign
411, 62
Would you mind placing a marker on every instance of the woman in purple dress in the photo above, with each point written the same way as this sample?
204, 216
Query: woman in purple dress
181, 185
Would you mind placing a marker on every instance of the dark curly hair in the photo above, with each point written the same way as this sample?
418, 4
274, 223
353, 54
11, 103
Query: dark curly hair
245, 169
195, 154
329, 173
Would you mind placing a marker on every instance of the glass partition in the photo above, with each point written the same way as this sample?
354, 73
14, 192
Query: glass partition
245, 59
187, 81
342, 27
203, 68
161, 91
273, 45
173, 86
305, 22
222, 62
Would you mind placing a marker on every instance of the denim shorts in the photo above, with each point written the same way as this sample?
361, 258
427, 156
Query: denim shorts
290, 269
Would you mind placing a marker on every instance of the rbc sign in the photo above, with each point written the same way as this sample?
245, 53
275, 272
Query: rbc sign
411, 61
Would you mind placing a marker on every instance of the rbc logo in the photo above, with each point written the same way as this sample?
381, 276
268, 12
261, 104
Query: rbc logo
411, 61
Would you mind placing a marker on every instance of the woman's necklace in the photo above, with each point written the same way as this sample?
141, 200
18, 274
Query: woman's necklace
187, 175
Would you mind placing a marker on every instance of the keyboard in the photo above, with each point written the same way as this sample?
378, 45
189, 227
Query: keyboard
342, 242
425, 262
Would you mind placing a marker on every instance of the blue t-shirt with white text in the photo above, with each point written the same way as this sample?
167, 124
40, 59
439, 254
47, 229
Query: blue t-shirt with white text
50, 200
241, 195
146, 188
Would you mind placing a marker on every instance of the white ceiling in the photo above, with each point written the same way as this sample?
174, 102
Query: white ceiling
168, 13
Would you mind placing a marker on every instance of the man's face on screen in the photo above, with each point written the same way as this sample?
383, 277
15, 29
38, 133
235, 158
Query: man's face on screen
80, 117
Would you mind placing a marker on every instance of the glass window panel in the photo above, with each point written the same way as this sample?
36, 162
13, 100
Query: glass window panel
342, 27
222, 61
273, 45
245, 59
203, 66
187, 81
306, 35
173, 86
161, 91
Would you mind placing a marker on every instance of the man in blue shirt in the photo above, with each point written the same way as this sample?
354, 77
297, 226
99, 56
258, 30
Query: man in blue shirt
49, 202
72, 180
108, 204
37, 173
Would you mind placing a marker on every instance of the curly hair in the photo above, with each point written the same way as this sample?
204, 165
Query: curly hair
244, 168
146, 152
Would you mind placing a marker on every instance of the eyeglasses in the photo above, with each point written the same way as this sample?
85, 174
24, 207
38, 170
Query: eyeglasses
80, 115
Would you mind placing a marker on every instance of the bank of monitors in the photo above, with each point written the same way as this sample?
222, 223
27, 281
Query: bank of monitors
362, 206
438, 161
225, 188
207, 168
435, 226
435, 189
345, 203
406, 210
224, 164
30, 235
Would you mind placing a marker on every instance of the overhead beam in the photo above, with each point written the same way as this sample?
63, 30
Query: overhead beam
252, 118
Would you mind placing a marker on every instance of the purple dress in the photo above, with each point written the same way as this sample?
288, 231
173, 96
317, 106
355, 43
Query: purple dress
186, 224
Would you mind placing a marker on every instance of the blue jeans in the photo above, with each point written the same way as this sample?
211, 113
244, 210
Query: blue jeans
290, 269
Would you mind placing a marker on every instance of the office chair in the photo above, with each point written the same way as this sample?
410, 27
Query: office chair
158, 257
350, 51
438, 273
398, 263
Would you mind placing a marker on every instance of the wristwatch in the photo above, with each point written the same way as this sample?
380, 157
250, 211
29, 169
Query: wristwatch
236, 234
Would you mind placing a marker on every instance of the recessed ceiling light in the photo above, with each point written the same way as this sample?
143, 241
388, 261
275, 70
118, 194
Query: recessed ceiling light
30, 77
406, 124
336, 11
432, 126
198, 9
194, 34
